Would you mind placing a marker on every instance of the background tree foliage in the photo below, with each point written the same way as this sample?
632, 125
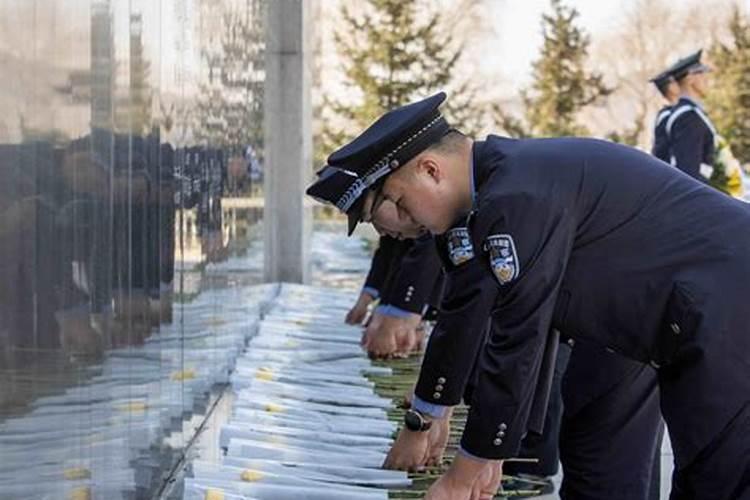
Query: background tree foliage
728, 99
229, 111
562, 85
393, 52
133, 111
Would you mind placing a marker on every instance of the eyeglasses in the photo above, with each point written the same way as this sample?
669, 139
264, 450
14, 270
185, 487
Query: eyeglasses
377, 200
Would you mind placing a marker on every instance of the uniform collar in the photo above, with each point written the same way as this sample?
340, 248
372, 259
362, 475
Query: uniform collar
692, 101
473, 183
484, 161
480, 169
478, 177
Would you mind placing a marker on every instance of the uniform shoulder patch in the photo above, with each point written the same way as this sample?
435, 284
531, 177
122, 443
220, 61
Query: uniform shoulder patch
503, 257
460, 249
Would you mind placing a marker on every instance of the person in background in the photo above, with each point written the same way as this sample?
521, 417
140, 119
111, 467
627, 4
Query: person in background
696, 147
670, 91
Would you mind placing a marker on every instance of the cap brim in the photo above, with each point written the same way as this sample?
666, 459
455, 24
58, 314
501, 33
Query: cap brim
353, 221
355, 215
700, 68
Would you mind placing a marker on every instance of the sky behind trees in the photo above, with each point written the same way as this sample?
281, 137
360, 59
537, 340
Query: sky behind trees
518, 34
631, 41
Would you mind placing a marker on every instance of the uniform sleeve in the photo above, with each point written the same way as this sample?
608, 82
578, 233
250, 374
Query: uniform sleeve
661, 143
688, 136
541, 234
392, 311
380, 266
458, 335
412, 283
471, 381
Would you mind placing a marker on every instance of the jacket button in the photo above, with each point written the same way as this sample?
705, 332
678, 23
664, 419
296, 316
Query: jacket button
497, 442
654, 364
501, 434
675, 328
502, 426
437, 395
441, 380
438, 387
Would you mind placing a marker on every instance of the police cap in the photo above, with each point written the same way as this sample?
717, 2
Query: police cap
662, 79
363, 164
689, 64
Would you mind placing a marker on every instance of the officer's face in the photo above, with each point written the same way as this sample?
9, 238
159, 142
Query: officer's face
386, 217
698, 81
701, 83
418, 192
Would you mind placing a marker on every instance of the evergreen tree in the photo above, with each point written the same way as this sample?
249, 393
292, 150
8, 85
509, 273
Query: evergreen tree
393, 54
562, 85
229, 112
729, 97
629, 135
133, 113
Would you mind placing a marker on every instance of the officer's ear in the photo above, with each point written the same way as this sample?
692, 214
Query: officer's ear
431, 165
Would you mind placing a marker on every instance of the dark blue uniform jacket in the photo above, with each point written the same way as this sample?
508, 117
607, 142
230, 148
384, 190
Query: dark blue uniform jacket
691, 138
661, 140
612, 246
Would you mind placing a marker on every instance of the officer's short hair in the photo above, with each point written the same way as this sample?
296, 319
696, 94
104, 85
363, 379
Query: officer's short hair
450, 143
662, 86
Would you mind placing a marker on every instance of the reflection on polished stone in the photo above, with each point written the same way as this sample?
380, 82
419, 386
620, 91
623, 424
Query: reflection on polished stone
113, 167
122, 406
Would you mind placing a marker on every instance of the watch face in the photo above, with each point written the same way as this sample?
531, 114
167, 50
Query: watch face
413, 421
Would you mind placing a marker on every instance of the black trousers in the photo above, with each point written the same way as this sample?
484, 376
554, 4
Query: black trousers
610, 436
603, 423
721, 470
545, 447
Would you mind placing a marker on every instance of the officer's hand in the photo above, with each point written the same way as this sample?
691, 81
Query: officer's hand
388, 336
466, 479
406, 332
372, 325
409, 452
381, 344
377, 342
421, 336
358, 312
449, 488
438, 437
486, 486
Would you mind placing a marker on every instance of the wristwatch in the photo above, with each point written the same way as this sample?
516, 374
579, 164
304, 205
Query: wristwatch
414, 421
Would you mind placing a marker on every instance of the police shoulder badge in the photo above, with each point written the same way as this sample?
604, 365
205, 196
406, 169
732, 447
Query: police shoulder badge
503, 257
460, 249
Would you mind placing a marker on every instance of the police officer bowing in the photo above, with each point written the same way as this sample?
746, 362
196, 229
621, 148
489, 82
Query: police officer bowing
608, 399
582, 235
